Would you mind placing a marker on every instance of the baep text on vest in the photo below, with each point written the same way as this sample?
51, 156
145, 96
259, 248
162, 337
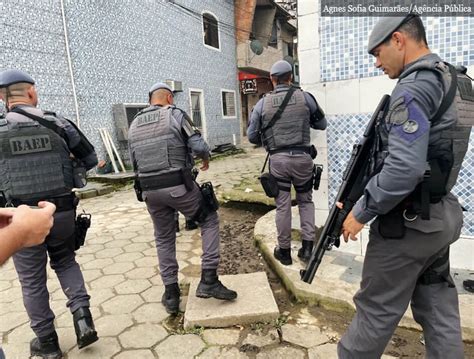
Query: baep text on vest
30, 144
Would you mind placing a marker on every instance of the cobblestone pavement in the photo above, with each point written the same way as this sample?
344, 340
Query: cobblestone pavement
119, 264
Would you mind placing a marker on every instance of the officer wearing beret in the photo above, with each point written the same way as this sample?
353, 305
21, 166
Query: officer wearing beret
162, 142
422, 141
288, 142
39, 153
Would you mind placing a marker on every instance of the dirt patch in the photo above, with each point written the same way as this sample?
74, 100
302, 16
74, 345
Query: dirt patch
240, 255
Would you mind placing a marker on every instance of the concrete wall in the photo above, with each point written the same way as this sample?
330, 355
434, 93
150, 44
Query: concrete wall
118, 50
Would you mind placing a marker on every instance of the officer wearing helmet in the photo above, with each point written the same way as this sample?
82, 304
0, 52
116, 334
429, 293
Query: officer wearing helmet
40, 151
421, 142
162, 142
288, 142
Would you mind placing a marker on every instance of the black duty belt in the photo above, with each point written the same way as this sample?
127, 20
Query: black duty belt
161, 181
62, 203
292, 150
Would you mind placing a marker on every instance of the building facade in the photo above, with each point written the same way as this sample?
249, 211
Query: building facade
266, 33
336, 68
87, 56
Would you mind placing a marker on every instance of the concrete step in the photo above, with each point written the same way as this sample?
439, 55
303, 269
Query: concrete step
255, 303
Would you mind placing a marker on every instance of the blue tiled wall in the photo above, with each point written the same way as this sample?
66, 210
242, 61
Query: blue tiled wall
119, 49
344, 44
347, 129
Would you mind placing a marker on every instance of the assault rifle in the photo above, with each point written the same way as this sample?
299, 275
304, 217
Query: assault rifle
358, 172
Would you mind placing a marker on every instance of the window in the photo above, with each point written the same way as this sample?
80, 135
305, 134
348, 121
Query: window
196, 109
273, 41
228, 103
211, 30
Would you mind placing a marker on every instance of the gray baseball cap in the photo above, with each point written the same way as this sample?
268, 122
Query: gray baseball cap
384, 28
280, 68
13, 76
158, 86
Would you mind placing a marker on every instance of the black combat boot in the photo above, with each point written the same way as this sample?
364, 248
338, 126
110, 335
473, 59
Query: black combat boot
84, 327
211, 286
283, 255
46, 347
304, 253
190, 224
170, 298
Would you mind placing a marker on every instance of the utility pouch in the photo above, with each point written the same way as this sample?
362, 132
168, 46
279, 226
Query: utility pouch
79, 175
208, 204
138, 190
392, 225
83, 222
269, 184
313, 152
188, 179
317, 171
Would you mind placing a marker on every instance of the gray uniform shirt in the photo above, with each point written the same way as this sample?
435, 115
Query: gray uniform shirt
420, 94
253, 131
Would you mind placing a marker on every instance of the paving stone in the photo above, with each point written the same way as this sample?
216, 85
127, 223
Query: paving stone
150, 313
15, 350
141, 273
82, 259
64, 320
11, 295
128, 257
221, 336
22, 334
107, 281
122, 304
113, 325
245, 309
91, 274
261, 340
13, 320
143, 336
150, 252
98, 263
153, 294
304, 336
326, 351
132, 286
117, 243
282, 353
136, 354
180, 346
103, 348
98, 296
156, 280
118, 268
4, 285
222, 353
146, 262
109, 253
67, 338
136, 247
125, 235
91, 249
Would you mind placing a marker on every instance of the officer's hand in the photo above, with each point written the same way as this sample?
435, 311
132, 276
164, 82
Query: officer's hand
351, 227
205, 165
33, 225
6, 215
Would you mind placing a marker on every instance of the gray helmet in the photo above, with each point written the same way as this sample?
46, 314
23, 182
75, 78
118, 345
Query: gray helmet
280, 68
157, 86
384, 28
12, 76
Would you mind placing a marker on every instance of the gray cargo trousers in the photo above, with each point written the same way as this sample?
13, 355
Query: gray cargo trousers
161, 204
30, 264
390, 281
295, 169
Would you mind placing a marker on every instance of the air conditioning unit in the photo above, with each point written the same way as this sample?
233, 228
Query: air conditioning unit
123, 114
176, 86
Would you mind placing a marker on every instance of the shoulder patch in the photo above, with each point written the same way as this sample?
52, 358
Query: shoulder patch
398, 112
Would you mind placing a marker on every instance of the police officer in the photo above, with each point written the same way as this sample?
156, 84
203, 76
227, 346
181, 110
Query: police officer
416, 216
289, 146
39, 151
162, 141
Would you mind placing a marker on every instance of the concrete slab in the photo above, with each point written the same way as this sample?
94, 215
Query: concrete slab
338, 278
255, 303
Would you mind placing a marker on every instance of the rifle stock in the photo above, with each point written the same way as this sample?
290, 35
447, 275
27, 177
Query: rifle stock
354, 180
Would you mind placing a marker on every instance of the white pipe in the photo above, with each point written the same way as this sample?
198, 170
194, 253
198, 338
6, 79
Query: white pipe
108, 149
234, 139
69, 62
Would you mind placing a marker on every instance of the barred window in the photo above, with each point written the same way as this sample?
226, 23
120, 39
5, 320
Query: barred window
228, 103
